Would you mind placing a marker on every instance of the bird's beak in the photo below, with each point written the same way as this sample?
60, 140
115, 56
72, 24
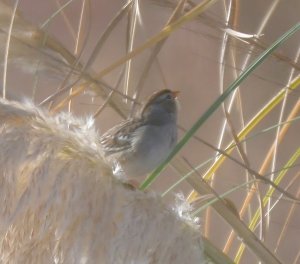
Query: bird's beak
175, 93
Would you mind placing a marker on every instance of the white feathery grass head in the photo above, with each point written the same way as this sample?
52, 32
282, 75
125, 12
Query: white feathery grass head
61, 204
184, 209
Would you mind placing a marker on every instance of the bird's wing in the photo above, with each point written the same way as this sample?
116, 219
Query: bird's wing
121, 137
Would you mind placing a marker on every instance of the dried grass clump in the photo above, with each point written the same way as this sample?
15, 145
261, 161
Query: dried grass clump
61, 204
30, 48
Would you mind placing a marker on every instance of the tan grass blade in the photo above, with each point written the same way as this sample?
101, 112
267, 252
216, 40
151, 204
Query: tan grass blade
263, 169
249, 238
30, 46
156, 49
248, 128
268, 195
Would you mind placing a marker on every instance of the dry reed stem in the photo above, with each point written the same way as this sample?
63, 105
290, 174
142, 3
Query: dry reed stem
264, 167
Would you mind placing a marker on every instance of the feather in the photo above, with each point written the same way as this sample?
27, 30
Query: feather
121, 137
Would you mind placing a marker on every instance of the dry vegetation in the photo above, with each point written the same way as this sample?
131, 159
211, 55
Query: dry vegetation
238, 156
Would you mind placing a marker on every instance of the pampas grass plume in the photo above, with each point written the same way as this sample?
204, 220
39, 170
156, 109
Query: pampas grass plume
60, 202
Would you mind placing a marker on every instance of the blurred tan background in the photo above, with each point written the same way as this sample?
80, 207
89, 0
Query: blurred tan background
189, 61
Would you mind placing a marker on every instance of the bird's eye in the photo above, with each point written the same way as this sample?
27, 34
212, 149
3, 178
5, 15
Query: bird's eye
169, 97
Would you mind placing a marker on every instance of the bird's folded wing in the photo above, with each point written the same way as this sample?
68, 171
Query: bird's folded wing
121, 137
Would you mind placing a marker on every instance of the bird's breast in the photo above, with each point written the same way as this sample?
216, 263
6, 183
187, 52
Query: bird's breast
151, 147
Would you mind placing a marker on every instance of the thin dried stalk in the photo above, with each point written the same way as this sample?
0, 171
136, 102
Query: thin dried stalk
7, 48
231, 17
221, 208
254, 187
263, 169
156, 49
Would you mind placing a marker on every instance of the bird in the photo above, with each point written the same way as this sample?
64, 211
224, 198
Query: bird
139, 144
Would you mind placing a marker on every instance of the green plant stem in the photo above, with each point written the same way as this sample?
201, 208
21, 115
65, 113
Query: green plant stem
217, 103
